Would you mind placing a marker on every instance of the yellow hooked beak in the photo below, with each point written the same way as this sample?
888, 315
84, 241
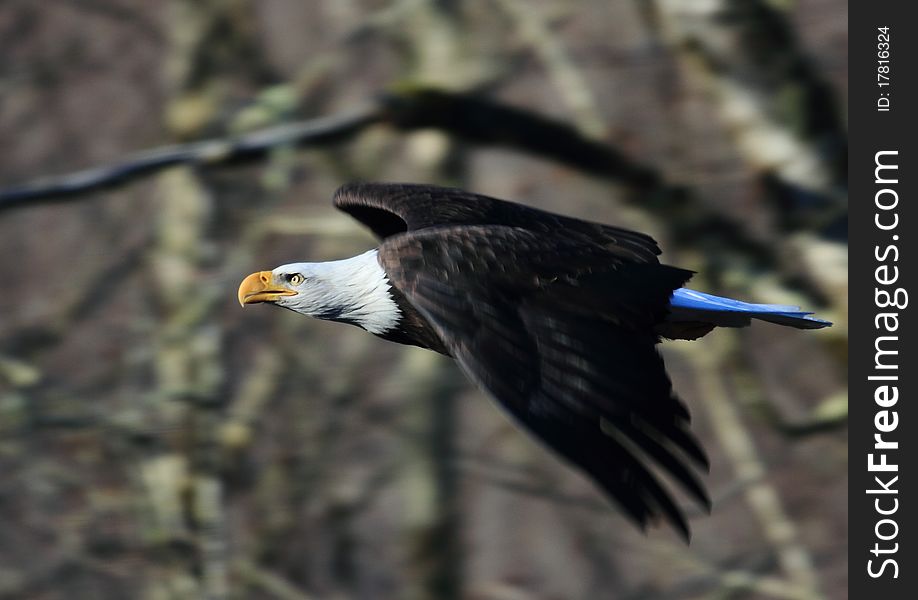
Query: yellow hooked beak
260, 287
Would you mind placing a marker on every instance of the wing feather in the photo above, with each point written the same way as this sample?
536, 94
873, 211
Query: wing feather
391, 208
559, 332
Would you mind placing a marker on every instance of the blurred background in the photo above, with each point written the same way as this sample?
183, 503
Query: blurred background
157, 441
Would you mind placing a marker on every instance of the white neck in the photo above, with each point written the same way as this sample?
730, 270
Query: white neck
355, 290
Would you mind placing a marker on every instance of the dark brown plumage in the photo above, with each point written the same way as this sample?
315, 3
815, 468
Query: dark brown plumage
555, 317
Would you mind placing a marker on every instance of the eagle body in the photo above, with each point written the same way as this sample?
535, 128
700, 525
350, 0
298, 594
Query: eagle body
556, 318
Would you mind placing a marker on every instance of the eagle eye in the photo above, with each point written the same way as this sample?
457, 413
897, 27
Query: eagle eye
295, 278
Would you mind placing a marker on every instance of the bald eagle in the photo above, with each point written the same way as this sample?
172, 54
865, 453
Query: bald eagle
556, 318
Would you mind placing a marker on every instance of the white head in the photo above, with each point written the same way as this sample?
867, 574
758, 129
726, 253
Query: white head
354, 290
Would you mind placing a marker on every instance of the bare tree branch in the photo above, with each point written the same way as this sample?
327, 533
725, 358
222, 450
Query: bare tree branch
477, 120
210, 152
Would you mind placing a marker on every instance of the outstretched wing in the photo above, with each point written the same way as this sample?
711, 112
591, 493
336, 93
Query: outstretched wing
391, 208
560, 332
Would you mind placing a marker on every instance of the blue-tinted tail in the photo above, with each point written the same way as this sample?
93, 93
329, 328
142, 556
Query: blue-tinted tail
697, 307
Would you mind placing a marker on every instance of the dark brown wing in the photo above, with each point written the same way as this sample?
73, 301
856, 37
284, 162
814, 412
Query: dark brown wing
560, 332
391, 208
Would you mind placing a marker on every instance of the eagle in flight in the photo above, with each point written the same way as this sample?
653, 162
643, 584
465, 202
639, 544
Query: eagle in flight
556, 318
